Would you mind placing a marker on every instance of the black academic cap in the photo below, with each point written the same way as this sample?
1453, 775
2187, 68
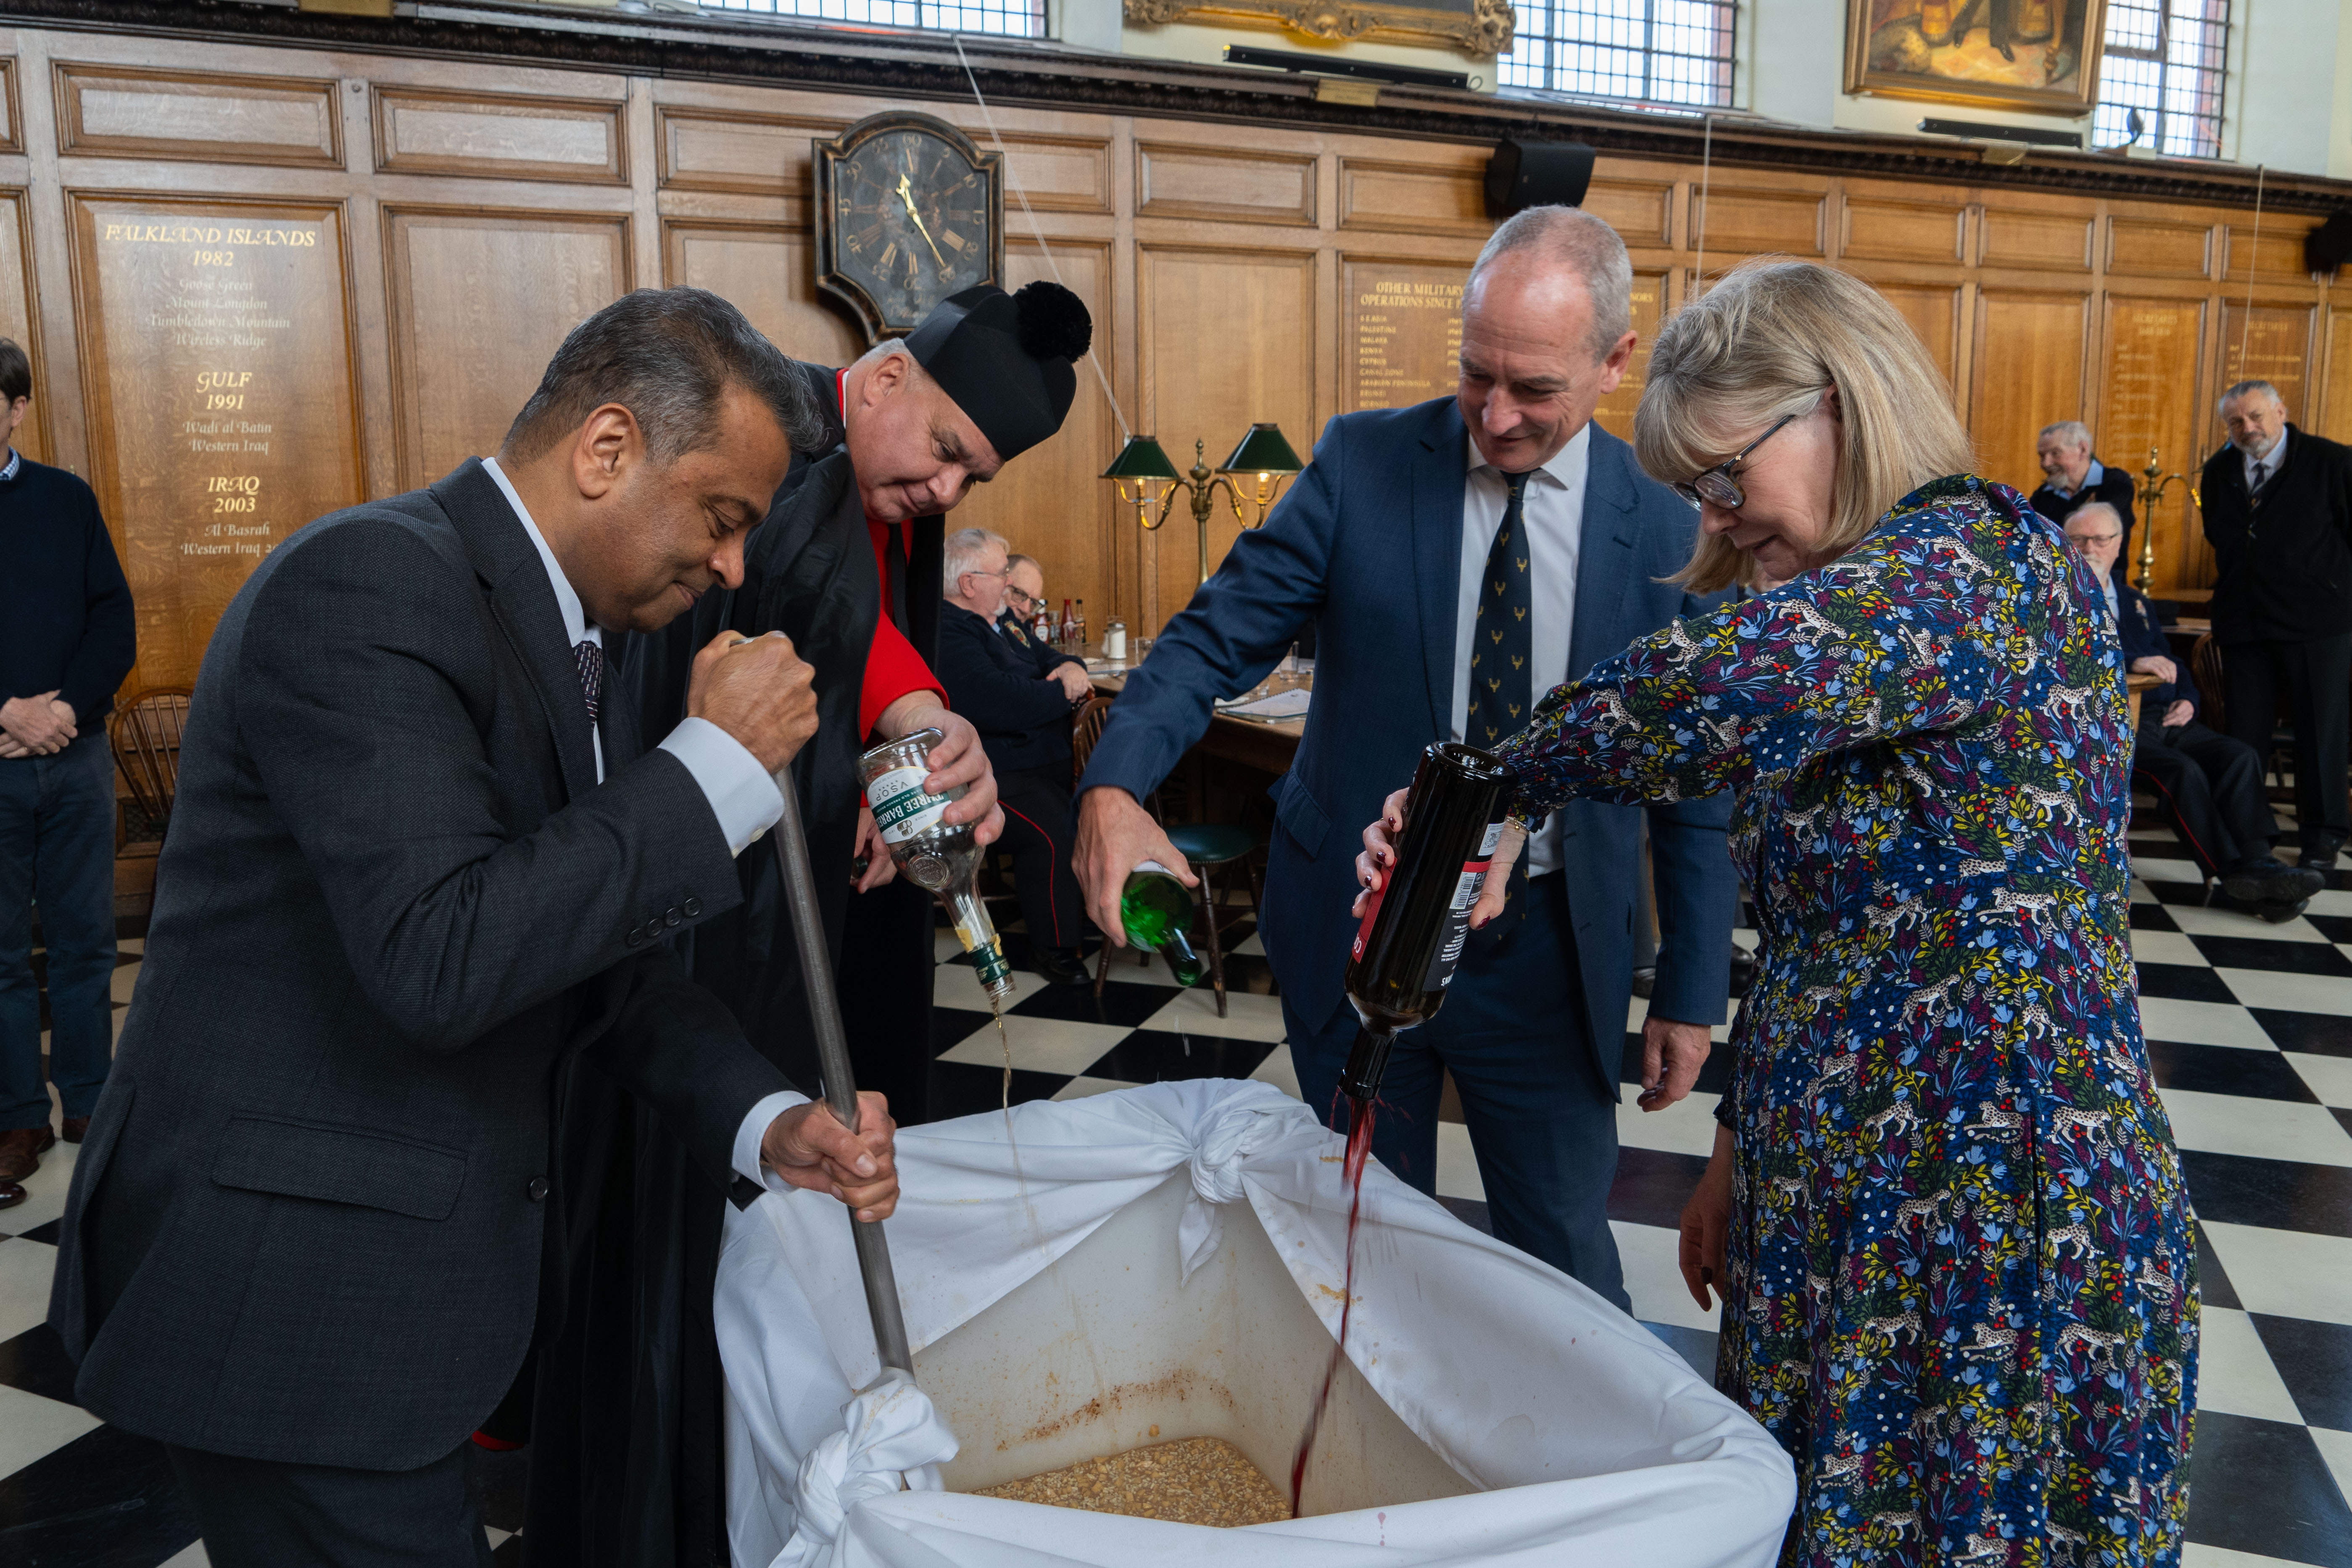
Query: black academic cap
1005, 358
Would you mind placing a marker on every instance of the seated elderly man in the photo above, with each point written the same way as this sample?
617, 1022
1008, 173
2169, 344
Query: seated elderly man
2209, 785
1019, 695
1025, 595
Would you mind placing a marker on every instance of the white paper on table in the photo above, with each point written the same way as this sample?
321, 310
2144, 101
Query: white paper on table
1290, 704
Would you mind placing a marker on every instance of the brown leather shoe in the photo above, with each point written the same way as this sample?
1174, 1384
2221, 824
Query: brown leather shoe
21, 1149
11, 1195
74, 1129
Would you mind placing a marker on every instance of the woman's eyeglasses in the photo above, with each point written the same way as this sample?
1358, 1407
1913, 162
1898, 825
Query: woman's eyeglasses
1715, 486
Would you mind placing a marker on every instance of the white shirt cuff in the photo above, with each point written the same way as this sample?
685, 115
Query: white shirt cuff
741, 794
755, 1127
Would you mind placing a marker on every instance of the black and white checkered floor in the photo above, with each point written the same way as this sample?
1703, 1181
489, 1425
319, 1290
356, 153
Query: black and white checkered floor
2250, 1031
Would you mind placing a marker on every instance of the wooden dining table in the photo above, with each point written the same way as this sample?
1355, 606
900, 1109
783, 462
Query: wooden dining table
1270, 745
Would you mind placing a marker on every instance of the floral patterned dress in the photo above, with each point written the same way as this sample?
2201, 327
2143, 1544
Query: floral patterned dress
1962, 1281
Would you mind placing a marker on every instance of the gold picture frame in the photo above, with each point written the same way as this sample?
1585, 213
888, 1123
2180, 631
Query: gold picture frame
1993, 54
1479, 28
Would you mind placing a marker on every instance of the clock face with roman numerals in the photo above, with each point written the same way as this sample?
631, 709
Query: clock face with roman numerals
908, 212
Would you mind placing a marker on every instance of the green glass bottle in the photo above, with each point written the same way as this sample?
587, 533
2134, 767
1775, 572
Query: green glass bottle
1157, 911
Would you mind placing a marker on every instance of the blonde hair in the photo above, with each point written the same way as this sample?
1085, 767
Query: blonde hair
1768, 340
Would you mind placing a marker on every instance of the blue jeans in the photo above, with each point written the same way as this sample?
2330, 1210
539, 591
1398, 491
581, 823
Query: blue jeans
1543, 1125
57, 845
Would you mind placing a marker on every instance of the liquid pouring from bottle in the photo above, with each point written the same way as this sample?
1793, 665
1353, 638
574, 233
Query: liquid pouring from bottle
1413, 933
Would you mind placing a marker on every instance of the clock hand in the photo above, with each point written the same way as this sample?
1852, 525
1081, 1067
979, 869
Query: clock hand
907, 196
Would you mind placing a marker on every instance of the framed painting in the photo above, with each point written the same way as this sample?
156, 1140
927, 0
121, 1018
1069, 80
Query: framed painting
2037, 55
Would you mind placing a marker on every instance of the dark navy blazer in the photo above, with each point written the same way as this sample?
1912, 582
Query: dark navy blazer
1368, 547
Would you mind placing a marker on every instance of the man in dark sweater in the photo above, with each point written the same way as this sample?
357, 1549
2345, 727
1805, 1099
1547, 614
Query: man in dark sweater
2209, 785
66, 642
1020, 701
2073, 478
2278, 511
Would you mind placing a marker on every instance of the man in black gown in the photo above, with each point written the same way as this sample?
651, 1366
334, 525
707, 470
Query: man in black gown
621, 1406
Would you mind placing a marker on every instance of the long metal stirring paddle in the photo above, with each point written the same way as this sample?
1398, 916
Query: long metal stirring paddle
833, 1061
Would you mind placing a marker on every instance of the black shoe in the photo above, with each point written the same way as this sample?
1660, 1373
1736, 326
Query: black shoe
2321, 856
1743, 971
2279, 911
1065, 966
2264, 880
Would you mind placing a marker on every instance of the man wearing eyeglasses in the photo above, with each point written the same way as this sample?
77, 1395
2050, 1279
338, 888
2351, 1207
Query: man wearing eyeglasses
2208, 784
1022, 705
1025, 595
1456, 561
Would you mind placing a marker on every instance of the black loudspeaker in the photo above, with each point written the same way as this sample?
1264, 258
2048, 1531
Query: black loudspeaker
1523, 175
2324, 248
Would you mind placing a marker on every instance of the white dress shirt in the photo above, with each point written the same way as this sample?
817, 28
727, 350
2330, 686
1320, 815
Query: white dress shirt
741, 794
1552, 508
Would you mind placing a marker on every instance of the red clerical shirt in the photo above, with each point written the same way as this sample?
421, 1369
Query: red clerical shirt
893, 667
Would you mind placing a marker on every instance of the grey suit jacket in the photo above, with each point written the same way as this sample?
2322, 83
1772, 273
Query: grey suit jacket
307, 1224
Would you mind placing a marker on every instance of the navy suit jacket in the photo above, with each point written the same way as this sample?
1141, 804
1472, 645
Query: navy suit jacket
1368, 547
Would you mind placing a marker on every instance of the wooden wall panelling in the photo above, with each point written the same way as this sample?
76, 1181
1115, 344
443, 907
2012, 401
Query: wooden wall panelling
123, 111
2139, 249
1225, 340
2036, 240
1057, 174
739, 151
1177, 181
217, 371
479, 300
11, 134
1400, 330
2148, 400
2273, 343
2027, 373
768, 272
1934, 311
1641, 211
1050, 501
488, 135
17, 321
1878, 228
1413, 198
2334, 419
2273, 252
1648, 297
1744, 221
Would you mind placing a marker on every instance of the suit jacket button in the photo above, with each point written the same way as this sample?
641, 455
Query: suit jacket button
539, 1189
671, 916
693, 908
636, 935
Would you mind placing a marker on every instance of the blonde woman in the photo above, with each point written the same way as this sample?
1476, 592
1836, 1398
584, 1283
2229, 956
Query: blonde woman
1944, 1212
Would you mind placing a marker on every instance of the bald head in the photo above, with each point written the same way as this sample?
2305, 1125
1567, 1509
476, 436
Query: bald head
1547, 333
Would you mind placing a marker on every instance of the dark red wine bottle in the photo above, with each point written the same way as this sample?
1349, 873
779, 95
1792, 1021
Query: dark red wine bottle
1412, 934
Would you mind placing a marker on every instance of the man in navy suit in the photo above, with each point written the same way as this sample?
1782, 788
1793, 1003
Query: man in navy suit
1401, 530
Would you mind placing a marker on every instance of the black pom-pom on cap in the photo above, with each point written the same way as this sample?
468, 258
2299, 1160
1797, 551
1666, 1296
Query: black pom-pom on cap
1054, 324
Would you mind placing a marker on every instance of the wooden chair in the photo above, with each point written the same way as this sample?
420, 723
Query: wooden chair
145, 735
2205, 669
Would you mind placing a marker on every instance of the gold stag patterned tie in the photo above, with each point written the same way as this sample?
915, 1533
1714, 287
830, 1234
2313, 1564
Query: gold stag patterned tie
1502, 686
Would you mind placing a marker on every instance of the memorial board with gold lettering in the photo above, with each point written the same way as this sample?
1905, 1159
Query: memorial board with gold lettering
217, 370
1402, 335
2148, 401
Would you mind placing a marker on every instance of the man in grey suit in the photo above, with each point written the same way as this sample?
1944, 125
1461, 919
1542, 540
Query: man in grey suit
1457, 560
418, 870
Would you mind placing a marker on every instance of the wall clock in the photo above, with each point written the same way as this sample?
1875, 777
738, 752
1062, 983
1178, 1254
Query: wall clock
908, 213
